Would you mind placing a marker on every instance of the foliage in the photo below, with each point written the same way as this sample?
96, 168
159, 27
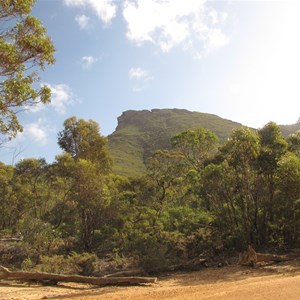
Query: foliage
7, 213
82, 140
25, 49
75, 263
195, 145
38, 234
195, 200
294, 142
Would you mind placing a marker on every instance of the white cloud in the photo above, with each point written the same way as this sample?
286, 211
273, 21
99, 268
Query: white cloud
212, 38
104, 9
215, 17
83, 21
165, 23
61, 97
141, 78
37, 132
34, 108
75, 2
88, 61
171, 23
137, 73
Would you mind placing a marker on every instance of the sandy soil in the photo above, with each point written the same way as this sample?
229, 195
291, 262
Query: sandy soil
280, 281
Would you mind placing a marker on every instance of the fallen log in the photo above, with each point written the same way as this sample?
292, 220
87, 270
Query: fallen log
12, 239
252, 258
100, 281
133, 272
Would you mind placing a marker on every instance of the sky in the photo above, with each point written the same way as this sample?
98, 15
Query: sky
235, 59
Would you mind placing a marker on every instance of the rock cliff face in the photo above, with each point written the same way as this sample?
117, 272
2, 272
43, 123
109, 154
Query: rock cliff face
140, 133
131, 117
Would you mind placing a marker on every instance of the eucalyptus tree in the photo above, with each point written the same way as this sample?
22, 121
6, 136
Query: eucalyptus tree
294, 142
31, 187
287, 201
8, 203
63, 213
196, 146
230, 185
176, 177
91, 195
244, 147
25, 49
86, 166
273, 148
166, 170
82, 140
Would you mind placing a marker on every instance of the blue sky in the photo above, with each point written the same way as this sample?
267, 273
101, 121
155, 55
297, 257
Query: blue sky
236, 59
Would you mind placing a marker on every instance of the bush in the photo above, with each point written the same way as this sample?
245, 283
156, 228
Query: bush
153, 255
38, 234
13, 254
84, 263
56, 264
75, 263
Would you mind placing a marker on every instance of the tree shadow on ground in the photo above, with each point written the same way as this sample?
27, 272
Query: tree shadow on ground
236, 273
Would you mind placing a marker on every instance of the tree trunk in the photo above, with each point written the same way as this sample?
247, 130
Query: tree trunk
100, 281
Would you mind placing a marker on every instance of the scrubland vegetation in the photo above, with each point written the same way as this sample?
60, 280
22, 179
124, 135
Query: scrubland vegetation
199, 199
188, 196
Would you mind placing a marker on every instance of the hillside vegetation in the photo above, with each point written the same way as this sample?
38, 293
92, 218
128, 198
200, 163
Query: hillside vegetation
193, 202
140, 133
286, 130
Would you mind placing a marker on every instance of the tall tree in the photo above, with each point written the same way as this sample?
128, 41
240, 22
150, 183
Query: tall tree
165, 169
273, 147
287, 204
91, 195
31, 183
294, 142
196, 145
82, 140
230, 187
7, 198
243, 149
85, 165
25, 49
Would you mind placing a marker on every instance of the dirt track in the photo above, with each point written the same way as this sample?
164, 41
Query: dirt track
274, 282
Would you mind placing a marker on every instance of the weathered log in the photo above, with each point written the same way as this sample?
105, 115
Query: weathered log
100, 281
252, 258
133, 272
12, 239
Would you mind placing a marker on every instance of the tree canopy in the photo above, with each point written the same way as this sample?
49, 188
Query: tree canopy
195, 200
82, 140
25, 49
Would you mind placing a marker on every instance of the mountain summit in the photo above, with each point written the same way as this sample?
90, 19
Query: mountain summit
140, 133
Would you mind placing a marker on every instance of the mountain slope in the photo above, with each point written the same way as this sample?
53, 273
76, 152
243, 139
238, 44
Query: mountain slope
289, 129
140, 133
